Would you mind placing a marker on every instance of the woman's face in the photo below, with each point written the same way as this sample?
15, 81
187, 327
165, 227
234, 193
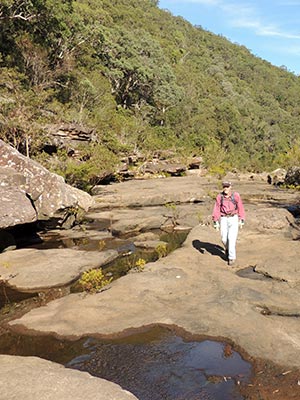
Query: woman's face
227, 190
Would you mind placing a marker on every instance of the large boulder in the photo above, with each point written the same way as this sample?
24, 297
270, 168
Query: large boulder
293, 176
277, 177
158, 167
47, 192
15, 206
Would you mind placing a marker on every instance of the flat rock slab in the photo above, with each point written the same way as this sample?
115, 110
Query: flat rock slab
152, 192
135, 220
158, 202
151, 244
186, 189
30, 270
269, 218
30, 378
80, 234
195, 289
283, 264
271, 255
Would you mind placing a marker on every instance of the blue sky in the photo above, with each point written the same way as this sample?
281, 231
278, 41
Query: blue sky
270, 29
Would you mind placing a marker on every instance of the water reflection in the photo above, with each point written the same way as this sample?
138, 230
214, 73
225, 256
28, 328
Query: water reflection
168, 368
157, 364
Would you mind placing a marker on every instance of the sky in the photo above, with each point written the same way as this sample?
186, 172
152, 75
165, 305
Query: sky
270, 29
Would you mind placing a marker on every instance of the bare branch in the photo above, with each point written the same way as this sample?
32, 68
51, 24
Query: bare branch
28, 17
17, 14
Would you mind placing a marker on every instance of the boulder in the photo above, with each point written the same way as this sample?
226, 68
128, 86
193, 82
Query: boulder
293, 176
254, 177
103, 178
15, 208
45, 191
277, 177
156, 167
67, 136
195, 163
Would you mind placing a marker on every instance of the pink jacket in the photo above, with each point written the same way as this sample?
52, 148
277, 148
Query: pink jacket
228, 206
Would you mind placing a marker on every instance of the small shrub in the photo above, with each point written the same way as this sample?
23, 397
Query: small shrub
94, 280
6, 309
200, 217
212, 194
174, 213
161, 250
82, 241
101, 245
293, 187
217, 170
140, 264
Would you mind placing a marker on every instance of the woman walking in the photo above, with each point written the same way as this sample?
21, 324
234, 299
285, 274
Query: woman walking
228, 216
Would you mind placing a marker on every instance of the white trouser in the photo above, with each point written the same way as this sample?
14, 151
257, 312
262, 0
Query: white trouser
229, 227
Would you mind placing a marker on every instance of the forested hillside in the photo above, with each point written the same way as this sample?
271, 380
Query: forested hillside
142, 80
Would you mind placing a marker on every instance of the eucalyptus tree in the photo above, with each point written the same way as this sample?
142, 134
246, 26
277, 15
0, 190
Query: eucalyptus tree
138, 71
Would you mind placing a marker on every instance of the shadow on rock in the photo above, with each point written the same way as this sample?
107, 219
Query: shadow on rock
213, 249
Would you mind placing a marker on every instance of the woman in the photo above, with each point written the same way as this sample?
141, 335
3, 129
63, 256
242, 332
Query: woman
228, 215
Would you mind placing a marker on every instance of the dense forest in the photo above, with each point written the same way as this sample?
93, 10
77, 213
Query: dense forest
142, 80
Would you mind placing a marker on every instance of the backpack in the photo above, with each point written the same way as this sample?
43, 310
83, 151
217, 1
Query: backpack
232, 198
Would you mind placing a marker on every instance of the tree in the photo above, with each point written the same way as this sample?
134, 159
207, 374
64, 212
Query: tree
138, 71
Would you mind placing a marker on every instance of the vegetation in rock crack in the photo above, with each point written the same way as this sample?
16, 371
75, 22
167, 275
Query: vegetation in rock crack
161, 250
94, 280
173, 215
140, 265
101, 245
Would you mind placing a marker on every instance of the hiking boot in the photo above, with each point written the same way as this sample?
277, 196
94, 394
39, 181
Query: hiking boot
231, 262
